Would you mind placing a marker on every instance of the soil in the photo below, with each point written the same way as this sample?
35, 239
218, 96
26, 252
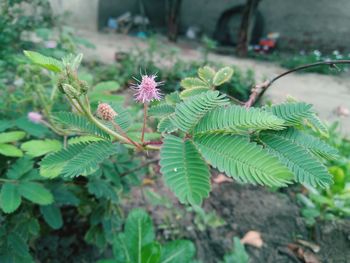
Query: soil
244, 208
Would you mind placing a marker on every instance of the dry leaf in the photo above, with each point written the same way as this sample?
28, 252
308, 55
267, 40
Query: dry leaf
221, 179
252, 238
147, 181
315, 248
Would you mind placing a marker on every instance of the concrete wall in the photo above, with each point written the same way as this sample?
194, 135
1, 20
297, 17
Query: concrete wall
83, 13
322, 24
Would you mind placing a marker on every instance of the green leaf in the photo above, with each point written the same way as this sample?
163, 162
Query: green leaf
292, 113
10, 150
18, 244
315, 122
20, 167
107, 86
37, 148
206, 73
102, 189
37, 130
245, 161
161, 110
185, 94
10, 199
86, 138
306, 168
120, 250
44, 61
173, 98
166, 125
35, 192
14, 136
76, 159
151, 253
138, 233
52, 216
191, 83
124, 118
312, 143
178, 251
190, 112
79, 123
222, 76
239, 254
5, 124
236, 119
184, 171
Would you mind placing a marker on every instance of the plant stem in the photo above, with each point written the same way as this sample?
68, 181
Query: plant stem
139, 167
144, 122
120, 130
259, 89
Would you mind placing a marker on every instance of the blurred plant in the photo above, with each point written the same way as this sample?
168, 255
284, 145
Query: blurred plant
238, 255
208, 45
291, 61
333, 202
203, 220
137, 244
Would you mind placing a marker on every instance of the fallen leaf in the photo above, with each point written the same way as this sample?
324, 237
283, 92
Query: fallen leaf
147, 181
221, 179
252, 238
315, 248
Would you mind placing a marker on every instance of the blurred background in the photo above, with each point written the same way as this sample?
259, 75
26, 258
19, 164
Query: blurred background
121, 39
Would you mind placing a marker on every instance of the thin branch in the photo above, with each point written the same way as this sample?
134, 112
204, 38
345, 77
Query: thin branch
259, 89
139, 167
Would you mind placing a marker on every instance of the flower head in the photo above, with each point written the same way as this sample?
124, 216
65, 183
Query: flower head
106, 112
147, 90
35, 117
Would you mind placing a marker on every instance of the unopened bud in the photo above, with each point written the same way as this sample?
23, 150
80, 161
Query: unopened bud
70, 90
106, 112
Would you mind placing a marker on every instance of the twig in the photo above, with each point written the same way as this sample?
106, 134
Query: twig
139, 167
259, 89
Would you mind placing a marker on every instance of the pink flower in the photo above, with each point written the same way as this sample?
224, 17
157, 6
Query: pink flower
147, 90
35, 117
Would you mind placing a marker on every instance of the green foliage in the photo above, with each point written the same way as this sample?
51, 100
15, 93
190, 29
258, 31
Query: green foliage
236, 119
222, 76
137, 244
238, 254
37, 148
79, 124
76, 159
9, 149
184, 171
190, 112
243, 160
44, 61
35, 192
10, 199
306, 168
292, 113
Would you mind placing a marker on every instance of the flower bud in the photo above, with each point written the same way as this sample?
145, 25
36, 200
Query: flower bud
35, 117
106, 112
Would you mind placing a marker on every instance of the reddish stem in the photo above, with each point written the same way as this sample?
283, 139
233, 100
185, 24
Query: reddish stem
144, 122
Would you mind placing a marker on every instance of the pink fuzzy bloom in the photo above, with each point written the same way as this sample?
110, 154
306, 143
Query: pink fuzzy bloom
147, 90
106, 112
35, 117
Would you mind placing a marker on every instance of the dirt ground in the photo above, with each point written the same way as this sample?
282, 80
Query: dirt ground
326, 92
249, 208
